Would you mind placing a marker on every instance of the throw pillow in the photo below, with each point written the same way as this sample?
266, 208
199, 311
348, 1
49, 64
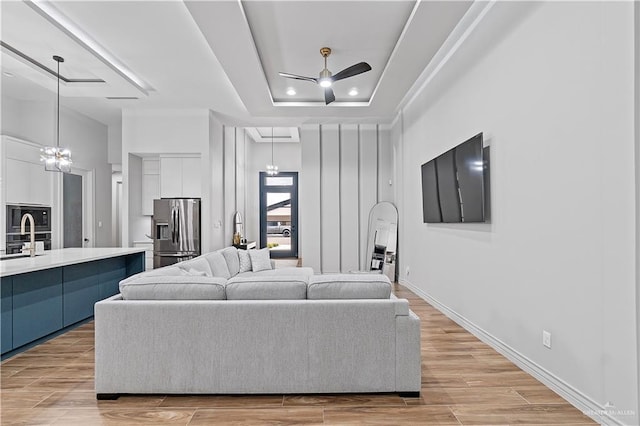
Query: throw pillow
260, 260
245, 261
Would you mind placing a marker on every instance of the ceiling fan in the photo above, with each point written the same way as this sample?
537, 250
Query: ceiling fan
326, 79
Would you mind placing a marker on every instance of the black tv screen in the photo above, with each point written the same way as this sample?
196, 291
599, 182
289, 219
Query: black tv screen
453, 184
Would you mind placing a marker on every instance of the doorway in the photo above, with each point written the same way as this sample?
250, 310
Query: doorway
72, 210
279, 214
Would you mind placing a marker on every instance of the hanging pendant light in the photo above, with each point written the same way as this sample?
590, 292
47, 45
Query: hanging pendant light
56, 159
272, 169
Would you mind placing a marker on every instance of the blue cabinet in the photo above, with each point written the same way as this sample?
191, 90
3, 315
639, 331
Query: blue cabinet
37, 305
111, 271
40, 303
135, 264
6, 316
80, 291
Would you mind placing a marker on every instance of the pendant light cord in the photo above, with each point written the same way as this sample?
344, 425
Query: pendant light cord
58, 124
272, 163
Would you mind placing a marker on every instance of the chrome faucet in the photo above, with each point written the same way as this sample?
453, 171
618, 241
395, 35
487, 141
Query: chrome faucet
32, 229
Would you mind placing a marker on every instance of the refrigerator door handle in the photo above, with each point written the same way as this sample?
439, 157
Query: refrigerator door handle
173, 225
178, 227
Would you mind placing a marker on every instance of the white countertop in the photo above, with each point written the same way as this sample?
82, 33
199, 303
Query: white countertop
61, 257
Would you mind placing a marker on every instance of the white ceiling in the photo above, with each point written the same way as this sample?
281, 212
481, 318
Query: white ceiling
224, 55
354, 32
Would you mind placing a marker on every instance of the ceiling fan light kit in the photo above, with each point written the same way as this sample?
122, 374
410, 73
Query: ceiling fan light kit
326, 78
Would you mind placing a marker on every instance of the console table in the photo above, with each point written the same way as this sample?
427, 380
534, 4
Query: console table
246, 246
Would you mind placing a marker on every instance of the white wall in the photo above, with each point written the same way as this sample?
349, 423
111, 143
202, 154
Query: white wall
114, 145
166, 132
554, 92
345, 171
29, 120
35, 121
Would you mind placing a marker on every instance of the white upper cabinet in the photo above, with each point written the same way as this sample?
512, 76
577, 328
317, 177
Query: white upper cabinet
191, 177
26, 181
180, 177
150, 184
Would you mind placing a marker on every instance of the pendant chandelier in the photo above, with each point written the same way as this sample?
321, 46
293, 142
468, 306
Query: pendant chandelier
56, 159
272, 169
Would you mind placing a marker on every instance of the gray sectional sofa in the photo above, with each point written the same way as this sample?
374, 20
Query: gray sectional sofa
209, 326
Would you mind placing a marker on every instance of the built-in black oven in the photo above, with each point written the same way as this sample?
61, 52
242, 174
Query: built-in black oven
16, 241
41, 217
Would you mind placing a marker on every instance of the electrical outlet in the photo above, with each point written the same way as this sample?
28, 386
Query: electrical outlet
407, 271
546, 339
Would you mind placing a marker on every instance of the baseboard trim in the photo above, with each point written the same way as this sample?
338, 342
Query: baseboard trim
576, 398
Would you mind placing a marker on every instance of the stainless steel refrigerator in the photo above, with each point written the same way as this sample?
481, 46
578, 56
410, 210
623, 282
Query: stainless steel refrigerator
175, 230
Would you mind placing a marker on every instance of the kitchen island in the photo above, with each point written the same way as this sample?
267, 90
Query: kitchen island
43, 295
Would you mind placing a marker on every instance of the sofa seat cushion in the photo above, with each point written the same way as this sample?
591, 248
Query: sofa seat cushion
282, 272
173, 283
349, 286
267, 287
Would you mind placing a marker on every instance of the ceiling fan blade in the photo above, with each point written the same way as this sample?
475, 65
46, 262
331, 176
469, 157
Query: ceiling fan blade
298, 77
328, 95
356, 69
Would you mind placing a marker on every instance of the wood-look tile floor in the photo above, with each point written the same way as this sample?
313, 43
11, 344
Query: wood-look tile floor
464, 382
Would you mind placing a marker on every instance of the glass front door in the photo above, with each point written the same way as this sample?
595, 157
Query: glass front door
279, 213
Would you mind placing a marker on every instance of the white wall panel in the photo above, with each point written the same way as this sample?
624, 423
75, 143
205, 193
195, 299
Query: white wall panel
229, 170
349, 213
330, 197
368, 182
240, 170
309, 197
212, 219
385, 165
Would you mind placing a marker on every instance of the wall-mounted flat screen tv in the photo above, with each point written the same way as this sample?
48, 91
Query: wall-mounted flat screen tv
455, 184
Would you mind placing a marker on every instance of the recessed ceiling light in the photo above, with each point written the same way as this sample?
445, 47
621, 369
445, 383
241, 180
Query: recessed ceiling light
353, 92
8, 74
291, 91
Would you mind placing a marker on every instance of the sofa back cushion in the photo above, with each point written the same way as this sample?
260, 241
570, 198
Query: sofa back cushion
267, 288
230, 255
196, 266
174, 284
349, 286
218, 264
